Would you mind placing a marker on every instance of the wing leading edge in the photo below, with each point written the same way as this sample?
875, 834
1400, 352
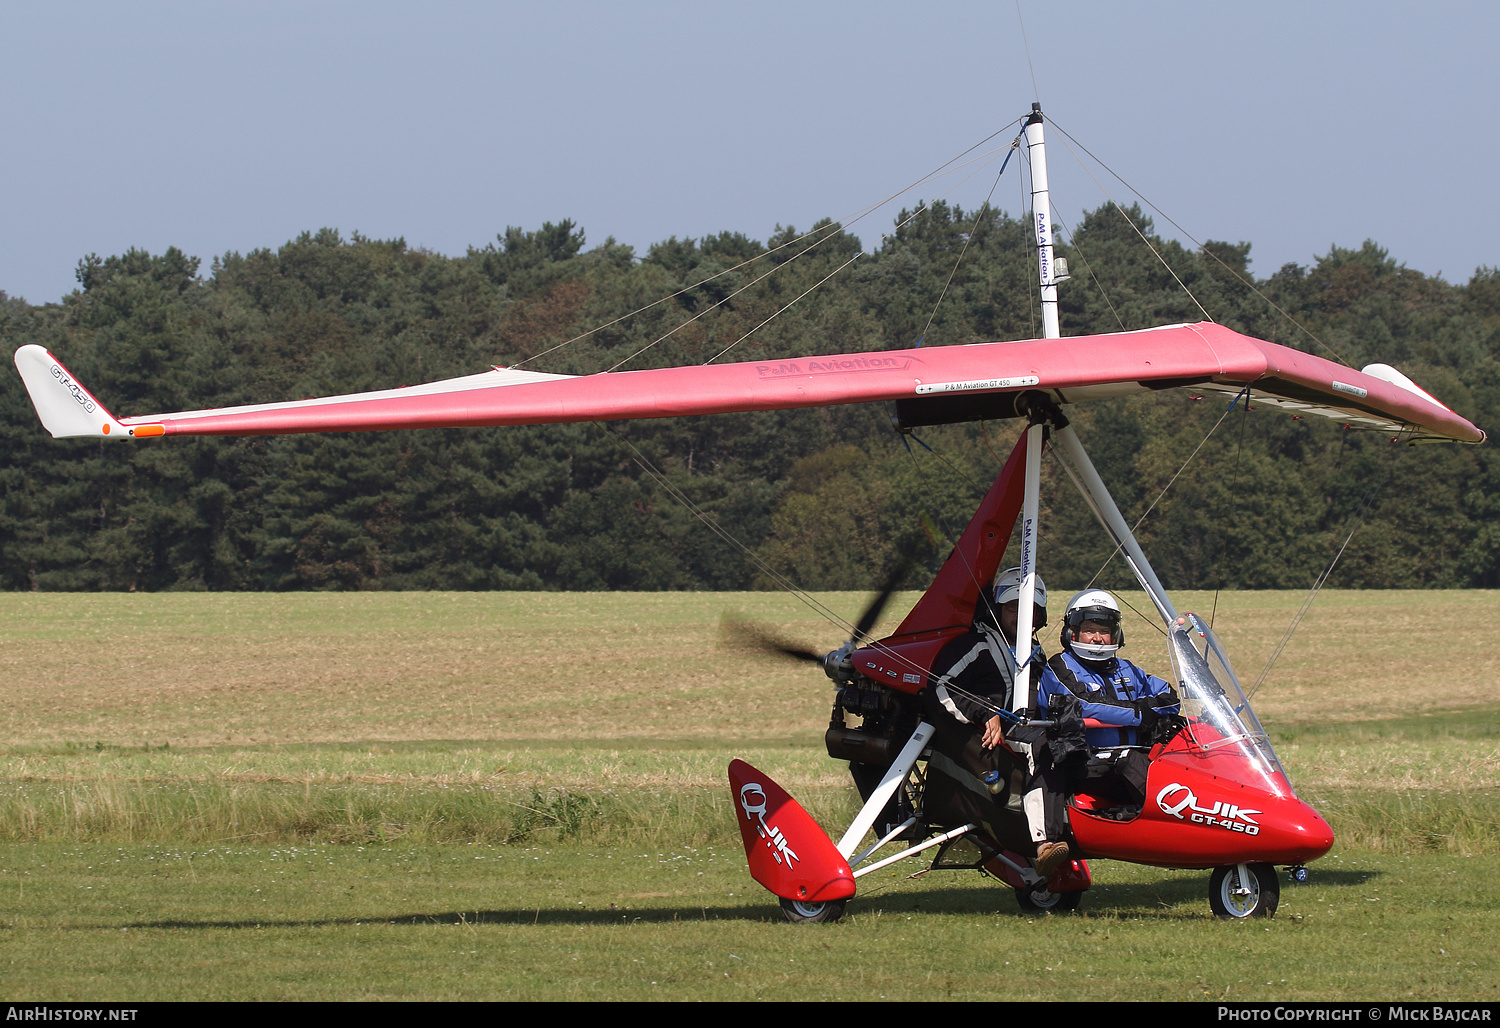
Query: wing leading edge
1075, 368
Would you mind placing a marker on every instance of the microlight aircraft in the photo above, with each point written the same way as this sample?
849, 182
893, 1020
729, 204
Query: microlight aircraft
1216, 796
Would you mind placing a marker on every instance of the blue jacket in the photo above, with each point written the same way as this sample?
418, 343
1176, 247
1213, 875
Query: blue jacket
1108, 690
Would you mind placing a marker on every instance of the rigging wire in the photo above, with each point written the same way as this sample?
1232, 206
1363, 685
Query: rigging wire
859, 214
1176, 475
1073, 243
657, 476
829, 228
1119, 546
985, 596
984, 433
782, 310
1153, 622
938, 518
960, 472
1131, 222
1014, 146
1322, 579
836, 225
1232, 270
1234, 491
785, 583
715, 306
829, 231
1069, 141
1036, 93
661, 480
812, 602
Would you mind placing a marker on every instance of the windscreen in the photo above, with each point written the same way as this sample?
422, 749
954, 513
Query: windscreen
1219, 715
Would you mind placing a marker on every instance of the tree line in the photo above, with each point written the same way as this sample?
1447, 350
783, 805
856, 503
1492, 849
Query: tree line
828, 498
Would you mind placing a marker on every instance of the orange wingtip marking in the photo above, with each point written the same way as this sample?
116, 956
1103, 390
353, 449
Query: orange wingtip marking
106, 430
141, 430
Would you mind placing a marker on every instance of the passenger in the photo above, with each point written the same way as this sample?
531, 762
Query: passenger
971, 680
1108, 689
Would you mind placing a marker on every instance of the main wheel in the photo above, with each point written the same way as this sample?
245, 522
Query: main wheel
1244, 890
799, 912
1038, 900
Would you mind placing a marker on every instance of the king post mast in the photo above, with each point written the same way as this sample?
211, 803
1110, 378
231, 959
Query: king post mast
1049, 274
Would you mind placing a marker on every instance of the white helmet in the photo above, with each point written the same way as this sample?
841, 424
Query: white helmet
1008, 590
1008, 587
1092, 605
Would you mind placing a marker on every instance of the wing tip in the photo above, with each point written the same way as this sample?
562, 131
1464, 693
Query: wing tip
66, 409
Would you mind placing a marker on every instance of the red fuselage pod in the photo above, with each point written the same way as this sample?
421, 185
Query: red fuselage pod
1208, 804
903, 662
1074, 876
787, 851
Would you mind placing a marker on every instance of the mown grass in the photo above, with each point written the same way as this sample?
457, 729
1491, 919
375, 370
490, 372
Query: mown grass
576, 921
481, 796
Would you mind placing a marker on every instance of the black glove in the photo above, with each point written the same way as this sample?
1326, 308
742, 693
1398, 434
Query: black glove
1066, 739
1147, 711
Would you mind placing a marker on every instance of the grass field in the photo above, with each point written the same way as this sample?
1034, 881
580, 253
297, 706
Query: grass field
522, 796
583, 922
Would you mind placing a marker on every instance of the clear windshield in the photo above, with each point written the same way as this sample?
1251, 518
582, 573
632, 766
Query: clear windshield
1219, 715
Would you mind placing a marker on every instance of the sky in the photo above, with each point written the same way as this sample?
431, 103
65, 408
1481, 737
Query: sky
218, 127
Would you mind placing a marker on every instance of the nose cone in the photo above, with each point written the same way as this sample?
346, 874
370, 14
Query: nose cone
1304, 835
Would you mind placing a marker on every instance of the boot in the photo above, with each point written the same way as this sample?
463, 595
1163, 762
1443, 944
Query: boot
1049, 857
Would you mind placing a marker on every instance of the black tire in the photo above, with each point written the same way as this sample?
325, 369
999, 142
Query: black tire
798, 912
1256, 896
1040, 901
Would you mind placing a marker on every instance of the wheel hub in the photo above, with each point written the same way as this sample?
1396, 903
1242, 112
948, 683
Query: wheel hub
1242, 892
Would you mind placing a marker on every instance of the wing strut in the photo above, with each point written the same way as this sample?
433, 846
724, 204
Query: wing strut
1020, 696
1080, 469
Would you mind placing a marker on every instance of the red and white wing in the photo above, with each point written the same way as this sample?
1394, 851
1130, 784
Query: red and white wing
1072, 369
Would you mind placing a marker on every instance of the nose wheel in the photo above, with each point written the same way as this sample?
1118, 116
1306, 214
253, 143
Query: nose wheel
1244, 890
799, 912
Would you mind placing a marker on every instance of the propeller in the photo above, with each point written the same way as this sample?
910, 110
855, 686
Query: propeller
877, 604
747, 635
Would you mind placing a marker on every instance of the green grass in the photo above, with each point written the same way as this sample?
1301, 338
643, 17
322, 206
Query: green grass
458, 796
1425, 782
576, 921
661, 794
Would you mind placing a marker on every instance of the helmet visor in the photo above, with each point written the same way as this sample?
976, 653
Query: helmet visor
1099, 615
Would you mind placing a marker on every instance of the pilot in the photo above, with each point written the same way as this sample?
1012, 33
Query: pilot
1088, 679
971, 680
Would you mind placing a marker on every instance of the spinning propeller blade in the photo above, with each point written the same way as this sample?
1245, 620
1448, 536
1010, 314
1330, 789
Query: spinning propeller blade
877, 605
747, 635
